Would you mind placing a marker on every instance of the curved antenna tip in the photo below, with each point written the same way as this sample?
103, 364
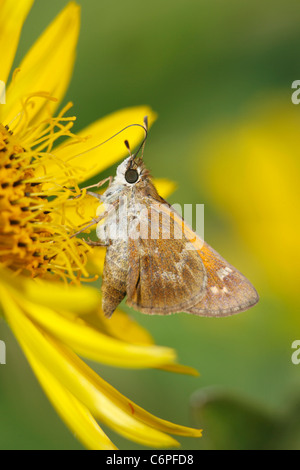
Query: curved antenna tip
146, 122
127, 145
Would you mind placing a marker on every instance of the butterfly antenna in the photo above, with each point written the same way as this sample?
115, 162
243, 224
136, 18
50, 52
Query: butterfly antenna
146, 131
142, 146
112, 137
128, 148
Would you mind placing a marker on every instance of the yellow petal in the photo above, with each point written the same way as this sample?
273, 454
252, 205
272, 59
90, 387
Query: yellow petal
79, 212
74, 414
47, 67
12, 17
91, 343
180, 369
164, 186
57, 296
125, 328
96, 261
85, 160
99, 397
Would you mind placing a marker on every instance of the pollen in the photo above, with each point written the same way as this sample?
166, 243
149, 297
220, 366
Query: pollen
34, 239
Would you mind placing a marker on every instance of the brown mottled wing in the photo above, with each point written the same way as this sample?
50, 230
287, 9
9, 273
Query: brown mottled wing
114, 276
155, 285
227, 290
164, 277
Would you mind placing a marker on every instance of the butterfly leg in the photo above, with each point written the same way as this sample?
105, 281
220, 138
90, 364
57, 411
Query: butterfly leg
101, 183
98, 185
96, 220
98, 243
96, 195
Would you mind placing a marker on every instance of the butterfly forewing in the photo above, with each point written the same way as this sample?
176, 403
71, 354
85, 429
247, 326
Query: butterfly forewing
164, 275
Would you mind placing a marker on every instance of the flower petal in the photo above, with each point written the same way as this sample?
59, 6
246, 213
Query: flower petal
77, 417
96, 261
79, 212
47, 67
74, 413
164, 186
180, 369
12, 17
91, 343
98, 396
57, 296
125, 328
85, 159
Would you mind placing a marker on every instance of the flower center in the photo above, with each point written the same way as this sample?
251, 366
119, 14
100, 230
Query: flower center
33, 241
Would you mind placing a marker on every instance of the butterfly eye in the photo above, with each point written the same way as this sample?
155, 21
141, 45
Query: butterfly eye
131, 176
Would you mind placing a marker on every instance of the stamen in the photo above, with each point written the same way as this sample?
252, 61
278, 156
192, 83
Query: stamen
32, 242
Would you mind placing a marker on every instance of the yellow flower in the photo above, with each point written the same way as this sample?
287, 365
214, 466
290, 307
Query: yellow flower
251, 172
53, 320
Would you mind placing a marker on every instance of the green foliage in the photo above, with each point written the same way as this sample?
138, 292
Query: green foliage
232, 422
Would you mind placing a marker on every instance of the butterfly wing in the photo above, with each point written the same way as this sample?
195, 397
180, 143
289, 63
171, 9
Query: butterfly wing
178, 272
164, 277
227, 290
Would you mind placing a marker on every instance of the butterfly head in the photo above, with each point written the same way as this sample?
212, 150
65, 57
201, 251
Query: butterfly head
131, 171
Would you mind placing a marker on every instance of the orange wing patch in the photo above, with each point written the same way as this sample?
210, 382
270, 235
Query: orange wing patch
227, 291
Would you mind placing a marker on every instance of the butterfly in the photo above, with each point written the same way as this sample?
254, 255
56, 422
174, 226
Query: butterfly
154, 258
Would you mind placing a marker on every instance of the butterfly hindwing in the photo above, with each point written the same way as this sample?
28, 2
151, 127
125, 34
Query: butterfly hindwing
175, 271
227, 290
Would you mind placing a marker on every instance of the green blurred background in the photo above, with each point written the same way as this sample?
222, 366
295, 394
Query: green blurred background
219, 76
